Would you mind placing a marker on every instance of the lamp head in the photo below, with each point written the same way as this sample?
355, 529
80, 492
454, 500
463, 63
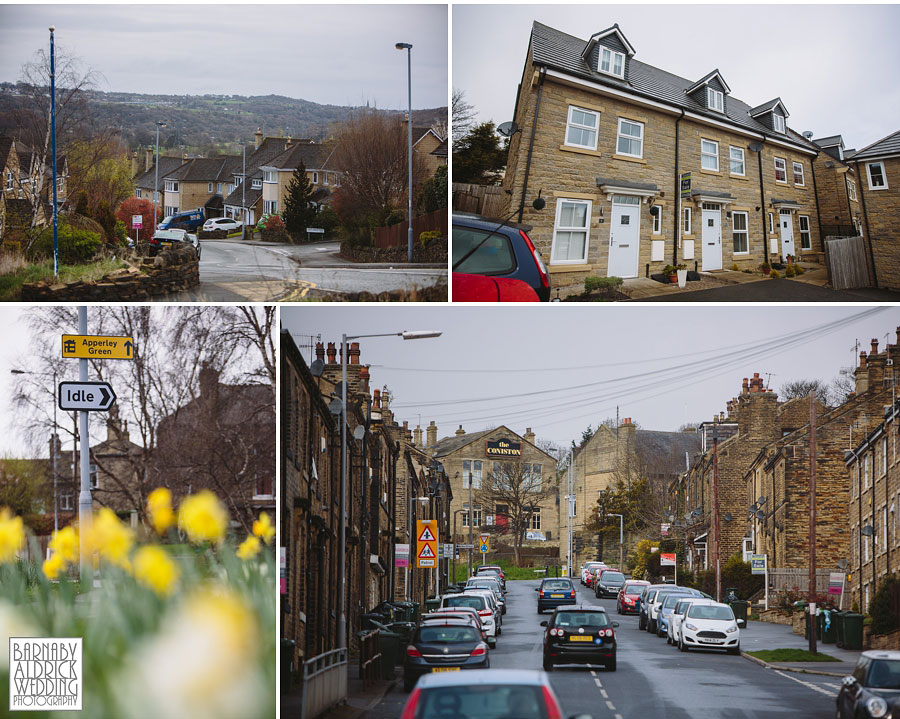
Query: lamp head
52, 28
403, 46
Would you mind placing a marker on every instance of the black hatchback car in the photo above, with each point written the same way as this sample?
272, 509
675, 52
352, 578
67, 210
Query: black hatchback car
444, 647
488, 246
580, 635
873, 690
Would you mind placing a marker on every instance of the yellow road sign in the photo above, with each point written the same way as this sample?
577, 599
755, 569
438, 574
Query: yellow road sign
97, 347
427, 542
485, 543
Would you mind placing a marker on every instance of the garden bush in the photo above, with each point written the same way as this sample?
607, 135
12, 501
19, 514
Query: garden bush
75, 245
882, 609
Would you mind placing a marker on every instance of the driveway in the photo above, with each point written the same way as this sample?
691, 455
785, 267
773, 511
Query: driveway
783, 290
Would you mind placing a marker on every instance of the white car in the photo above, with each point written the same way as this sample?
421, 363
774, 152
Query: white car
479, 602
495, 605
221, 223
588, 568
674, 625
710, 626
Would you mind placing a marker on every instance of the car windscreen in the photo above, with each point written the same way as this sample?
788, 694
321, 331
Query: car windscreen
169, 235
614, 577
463, 600
434, 634
482, 585
482, 701
556, 584
495, 257
671, 600
581, 619
634, 588
884, 674
710, 612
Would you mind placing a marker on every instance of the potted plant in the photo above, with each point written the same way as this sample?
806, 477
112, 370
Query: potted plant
681, 273
765, 268
670, 271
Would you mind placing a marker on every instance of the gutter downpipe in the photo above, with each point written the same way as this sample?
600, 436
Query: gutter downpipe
862, 198
812, 164
762, 204
678, 210
537, 109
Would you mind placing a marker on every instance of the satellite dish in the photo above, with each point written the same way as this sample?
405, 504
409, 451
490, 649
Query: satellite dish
317, 368
539, 203
508, 129
359, 432
335, 407
755, 146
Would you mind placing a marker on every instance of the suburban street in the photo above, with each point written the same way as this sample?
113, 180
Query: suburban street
652, 678
231, 270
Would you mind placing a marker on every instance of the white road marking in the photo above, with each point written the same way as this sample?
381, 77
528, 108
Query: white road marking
806, 684
618, 716
593, 672
604, 694
612, 707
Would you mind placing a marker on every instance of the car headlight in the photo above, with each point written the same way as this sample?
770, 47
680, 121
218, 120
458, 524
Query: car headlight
731, 630
876, 706
690, 626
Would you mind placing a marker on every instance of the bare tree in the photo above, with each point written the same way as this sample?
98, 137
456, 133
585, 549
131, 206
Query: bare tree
462, 115
802, 388
841, 387
517, 489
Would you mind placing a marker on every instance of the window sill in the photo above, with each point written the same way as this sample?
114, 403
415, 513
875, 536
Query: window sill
569, 268
626, 158
581, 150
711, 172
781, 182
877, 189
739, 177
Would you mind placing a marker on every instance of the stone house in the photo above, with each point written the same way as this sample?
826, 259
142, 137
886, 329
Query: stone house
278, 171
246, 200
878, 168
607, 139
427, 144
837, 186
9, 167
145, 180
622, 454
200, 182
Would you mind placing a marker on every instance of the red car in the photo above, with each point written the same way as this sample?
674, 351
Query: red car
629, 594
477, 288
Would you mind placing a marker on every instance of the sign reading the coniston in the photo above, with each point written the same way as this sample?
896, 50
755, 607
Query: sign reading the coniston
503, 448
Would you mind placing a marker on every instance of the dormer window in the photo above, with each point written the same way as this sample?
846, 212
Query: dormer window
715, 100
612, 62
777, 122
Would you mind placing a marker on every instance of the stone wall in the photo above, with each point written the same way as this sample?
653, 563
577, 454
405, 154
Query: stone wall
835, 205
170, 271
882, 212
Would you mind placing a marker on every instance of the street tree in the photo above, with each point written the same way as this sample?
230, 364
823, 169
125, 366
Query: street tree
99, 177
299, 208
24, 485
463, 115
517, 491
132, 206
434, 191
478, 156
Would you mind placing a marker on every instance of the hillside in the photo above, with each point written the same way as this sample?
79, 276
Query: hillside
206, 121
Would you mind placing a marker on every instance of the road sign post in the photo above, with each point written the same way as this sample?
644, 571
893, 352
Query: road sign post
484, 545
97, 347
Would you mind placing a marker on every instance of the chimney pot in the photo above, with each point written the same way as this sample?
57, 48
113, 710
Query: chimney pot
460, 432
354, 353
332, 353
874, 345
320, 351
627, 420
862, 359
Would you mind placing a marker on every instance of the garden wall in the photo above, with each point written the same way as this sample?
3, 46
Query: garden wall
170, 271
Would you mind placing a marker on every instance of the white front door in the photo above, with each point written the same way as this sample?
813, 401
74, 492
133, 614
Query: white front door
712, 240
624, 240
787, 233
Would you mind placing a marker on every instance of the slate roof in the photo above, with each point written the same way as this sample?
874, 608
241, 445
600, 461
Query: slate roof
828, 141
561, 51
204, 169
166, 165
669, 445
786, 202
713, 193
766, 106
268, 149
6, 144
889, 145
440, 150
848, 154
448, 445
314, 157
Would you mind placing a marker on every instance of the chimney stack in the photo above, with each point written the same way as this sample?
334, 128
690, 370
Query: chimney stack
874, 346
353, 353
460, 432
862, 359
258, 137
148, 158
417, 436
320, 351
529, 435
364, 379
745, 387
431, 434
332, 353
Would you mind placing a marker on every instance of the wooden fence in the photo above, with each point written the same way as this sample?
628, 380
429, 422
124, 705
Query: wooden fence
848, 267
396, 235
486, 200
782, 580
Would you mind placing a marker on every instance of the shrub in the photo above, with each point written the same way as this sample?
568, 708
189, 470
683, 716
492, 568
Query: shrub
774, 274
799, 270
734, 267
790, 271
884, 619
593, 283
427, 237
75, 245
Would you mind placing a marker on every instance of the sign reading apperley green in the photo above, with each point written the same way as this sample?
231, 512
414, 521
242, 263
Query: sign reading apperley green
685, 184
503, 448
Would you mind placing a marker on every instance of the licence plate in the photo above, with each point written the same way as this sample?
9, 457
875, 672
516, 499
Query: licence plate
712, 641
166, 244
581, 639
556, 596
445, 669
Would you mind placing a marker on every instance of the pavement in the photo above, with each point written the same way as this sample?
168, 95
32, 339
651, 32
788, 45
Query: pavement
765, 635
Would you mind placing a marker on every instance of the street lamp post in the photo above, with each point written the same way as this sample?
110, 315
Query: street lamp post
342, 539
53, 151
621, 538
409, 238
243, 194
458, 511
159, 124
471, 539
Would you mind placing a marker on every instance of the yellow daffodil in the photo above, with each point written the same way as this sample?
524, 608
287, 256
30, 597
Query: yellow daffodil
154, 568
12, 535
53, 566
65, 544
203, 517
159, 506
111, 538
263, 528
249, 548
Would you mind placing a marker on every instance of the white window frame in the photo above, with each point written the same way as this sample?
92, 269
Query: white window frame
851, 189
477, 473
771, 222
794, 166
715, 99
657, 220
869, 166
171, 186
686, 220
805, 235
630, 138
731, 160
612, 56
778, 123
256, 184
707, 154
783, 169
9, 180
745, 232
324, 178
315, 178
587, 230
571, 123
270, 207
270, 177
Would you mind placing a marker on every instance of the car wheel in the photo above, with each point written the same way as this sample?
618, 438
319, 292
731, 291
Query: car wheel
651, 625
682, 647
408, 684
641, 622
611, 665
548, 665
499, 631
734, 650
668, 640
540, 611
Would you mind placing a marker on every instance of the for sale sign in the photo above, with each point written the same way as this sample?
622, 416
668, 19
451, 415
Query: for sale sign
666, 560
137, 222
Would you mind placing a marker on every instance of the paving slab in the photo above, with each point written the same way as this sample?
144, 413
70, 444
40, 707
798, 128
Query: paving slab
765, 635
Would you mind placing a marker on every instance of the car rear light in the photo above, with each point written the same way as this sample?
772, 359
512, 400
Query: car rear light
572, 595
542, 592
478, 651
485, 612
550, 704
409, 711
411, 651
545, 278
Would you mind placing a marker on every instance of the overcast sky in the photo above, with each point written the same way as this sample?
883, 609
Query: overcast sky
661, 366
330, 54
834, 66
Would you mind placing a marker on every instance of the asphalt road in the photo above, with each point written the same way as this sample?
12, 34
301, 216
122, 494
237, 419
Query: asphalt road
777, 291
652, 678
234, 271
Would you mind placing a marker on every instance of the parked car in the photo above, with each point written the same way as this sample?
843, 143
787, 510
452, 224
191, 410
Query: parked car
491, 583
492, 571
555, 593
587, 569
488, 246
664, 611
478, 288
188, 220
674, 624
580, 635
165, 239
486, 694
221, 223
479, 603
646, 597
710, 626
629, 596
466, 613
444, 647
495, 605
608, 582
872, 689
656, 602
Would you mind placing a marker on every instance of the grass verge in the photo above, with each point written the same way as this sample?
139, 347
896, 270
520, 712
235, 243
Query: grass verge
11, 282
510, 570
791, 655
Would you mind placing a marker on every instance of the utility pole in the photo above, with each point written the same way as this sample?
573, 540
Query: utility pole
812, 521
84, 496
569, 513
715, 512
471, 538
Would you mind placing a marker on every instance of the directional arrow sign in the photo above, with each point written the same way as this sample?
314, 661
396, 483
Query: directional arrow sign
97, 347
86, 396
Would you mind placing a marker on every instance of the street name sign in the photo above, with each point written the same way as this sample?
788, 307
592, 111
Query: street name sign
426, 543
86, 396
97, 347
465, 546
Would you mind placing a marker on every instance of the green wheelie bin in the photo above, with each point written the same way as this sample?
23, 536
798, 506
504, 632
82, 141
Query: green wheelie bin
853, 631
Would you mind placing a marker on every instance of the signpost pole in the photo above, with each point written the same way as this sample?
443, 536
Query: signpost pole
767, 582
84, 497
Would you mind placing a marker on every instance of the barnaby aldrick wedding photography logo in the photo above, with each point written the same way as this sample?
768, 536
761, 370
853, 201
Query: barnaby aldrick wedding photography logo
45, 673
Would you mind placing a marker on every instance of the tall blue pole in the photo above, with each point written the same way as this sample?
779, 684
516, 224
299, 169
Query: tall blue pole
409, 239
53, 150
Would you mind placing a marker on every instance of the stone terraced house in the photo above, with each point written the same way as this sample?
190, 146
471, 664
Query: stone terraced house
837, 189
606, 139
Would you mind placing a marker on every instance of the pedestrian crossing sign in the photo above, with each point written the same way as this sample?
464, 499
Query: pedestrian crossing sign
427, 552
427, 543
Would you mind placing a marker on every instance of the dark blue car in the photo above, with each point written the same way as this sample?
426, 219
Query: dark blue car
555, 593
488, 246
